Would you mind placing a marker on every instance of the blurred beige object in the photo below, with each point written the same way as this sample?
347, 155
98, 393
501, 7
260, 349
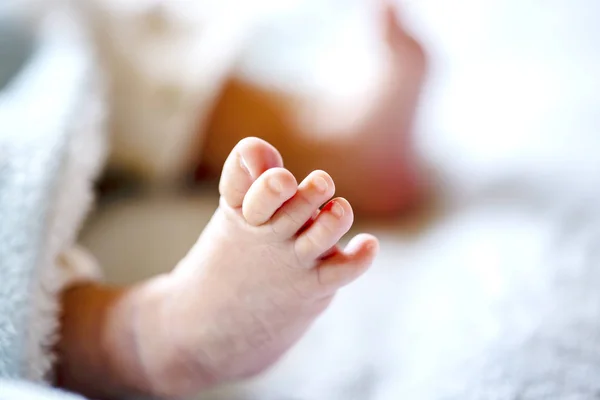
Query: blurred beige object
166, 62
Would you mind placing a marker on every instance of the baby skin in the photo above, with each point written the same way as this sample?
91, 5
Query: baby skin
264, 268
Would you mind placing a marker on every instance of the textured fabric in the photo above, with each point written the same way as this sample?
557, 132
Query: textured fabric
50, 148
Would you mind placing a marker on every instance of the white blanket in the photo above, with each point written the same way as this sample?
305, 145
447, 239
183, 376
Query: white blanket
50, 149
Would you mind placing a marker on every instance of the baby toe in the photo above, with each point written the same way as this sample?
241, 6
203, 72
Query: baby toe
314, 191
331, 224
267, 194
346, 266
249, 159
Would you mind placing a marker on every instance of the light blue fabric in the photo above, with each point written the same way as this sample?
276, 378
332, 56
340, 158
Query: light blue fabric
16, 47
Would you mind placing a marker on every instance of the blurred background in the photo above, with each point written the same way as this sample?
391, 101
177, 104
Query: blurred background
503, 111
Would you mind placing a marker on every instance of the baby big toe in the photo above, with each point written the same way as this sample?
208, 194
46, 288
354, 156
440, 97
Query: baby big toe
249, 159
267, 194
331, 224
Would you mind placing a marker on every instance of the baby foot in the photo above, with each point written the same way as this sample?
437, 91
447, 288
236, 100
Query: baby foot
261, 272
374, 129
387, 132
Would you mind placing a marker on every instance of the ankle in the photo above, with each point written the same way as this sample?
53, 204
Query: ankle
167, 349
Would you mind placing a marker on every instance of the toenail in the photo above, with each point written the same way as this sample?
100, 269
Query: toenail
244, 165
321, 184
337, 210
275, 185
